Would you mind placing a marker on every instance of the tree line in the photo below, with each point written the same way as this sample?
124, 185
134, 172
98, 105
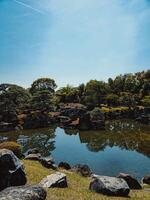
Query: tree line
124, 90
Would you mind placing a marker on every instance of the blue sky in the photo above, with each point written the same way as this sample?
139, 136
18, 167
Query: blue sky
72, 41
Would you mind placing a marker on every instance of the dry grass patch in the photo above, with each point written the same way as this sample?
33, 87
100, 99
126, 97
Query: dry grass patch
78, 186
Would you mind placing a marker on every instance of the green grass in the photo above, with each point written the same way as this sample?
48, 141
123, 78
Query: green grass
77, 186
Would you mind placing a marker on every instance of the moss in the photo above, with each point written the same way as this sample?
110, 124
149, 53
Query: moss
114, 109
13, 146
78, 186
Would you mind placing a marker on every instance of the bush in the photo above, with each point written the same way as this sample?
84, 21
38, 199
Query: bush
13, 146
96, 114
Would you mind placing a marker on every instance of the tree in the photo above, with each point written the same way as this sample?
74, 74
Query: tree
42, 91
42, 100
95, 92
68, 94
146, 101
13, 97
112, 99
43, 84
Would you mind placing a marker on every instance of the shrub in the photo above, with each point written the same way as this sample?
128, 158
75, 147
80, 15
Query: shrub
13, 146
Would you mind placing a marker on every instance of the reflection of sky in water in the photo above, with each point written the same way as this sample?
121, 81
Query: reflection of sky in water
123, 147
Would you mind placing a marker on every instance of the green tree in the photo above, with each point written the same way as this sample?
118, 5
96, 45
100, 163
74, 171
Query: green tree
43, 84
146, 101
112, 99
13, 98
95, 92
68, 94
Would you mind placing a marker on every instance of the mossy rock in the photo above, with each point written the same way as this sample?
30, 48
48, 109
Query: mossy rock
13, 146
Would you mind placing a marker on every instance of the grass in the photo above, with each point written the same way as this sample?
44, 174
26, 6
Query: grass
77, 186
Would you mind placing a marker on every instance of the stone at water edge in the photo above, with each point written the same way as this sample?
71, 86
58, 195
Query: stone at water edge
83, 170
11, 170
146, 179
31, 151
64, 165
131, 181
48, 163
35, 157
23, 193
110, 186
58, 180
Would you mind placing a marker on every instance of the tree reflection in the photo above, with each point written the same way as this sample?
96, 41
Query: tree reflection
123, 134
42, 139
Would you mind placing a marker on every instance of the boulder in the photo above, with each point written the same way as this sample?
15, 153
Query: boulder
11, 170
33, 156
58, 180
23, 193
110, 186
146, 179
83, 170
64, 165
32, 151
48, 163
131, 181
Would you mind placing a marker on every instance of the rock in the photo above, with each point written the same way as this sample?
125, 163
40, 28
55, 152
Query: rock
110, 186
23, 193
131, 181
48, 163
83, 170
32, 151
146, 179
11, 170
58, 180
3, 139
85, 122
36, 156
64, 165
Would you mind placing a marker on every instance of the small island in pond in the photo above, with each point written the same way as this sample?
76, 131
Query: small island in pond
85, 107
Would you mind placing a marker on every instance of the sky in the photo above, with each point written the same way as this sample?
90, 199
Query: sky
72, 41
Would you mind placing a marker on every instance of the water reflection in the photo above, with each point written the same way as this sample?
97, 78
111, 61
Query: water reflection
127, 135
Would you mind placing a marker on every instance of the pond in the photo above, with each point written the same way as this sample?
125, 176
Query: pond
123, 147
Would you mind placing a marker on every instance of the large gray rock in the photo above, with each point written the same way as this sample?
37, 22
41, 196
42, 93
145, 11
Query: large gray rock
23, 193
55, 180
110, 186
131, 181
11, 170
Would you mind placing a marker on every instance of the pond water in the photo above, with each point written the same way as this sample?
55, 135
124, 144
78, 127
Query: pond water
123, 147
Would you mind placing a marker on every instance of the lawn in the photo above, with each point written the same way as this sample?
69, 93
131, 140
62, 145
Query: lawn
77, 186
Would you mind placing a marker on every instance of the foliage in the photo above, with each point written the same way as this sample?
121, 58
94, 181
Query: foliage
42, 91
146, 101
42, 100
96, 114
95, 92
13, 146
13, 97
68, 94
112, 99
43, 84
